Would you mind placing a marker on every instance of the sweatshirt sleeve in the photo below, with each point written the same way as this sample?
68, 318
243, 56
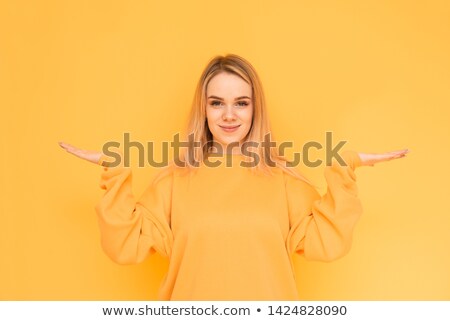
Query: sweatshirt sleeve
131, 230
321, 228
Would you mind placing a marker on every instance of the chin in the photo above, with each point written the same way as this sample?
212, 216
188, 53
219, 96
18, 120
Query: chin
235, 144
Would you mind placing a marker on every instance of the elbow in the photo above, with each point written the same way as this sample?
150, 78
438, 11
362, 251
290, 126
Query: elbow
120, 260
334, 255
117, 255
328, 257
329, 253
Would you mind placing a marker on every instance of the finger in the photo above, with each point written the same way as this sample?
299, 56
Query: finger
385, 157
401, 155
67, 147
396, 156
62, 144
398, 152
73, 150
401, 151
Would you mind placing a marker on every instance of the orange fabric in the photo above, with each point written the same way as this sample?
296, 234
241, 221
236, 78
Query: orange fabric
229, 234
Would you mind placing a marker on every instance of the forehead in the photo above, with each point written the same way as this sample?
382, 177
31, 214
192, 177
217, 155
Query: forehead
228, 85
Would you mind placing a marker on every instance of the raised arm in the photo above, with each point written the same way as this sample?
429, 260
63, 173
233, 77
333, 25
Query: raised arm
321, 228
130, 230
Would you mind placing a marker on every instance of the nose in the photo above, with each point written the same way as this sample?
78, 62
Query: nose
228, 114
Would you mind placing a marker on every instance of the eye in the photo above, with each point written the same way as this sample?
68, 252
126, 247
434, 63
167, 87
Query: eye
215, 103
242, 103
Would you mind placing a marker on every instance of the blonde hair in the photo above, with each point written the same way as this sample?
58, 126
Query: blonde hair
198, 128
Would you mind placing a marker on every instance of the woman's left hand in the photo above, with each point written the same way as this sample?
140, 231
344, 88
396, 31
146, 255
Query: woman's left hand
372, 159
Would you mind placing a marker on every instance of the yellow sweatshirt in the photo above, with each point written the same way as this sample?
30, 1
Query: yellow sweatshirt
229, 234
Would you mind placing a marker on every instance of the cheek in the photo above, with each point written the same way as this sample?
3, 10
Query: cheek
211, 119
247, 117
212, 114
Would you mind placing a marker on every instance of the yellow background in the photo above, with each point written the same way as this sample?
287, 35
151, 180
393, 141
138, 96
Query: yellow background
375, 73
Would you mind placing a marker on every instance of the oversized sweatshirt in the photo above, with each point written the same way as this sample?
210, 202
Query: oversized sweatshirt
229, 234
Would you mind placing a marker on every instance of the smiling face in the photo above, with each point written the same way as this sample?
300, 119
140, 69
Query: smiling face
229, 109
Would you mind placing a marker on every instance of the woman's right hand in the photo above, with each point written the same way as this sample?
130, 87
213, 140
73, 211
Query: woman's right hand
91, 156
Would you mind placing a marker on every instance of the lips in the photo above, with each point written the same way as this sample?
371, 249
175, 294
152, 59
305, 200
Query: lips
229, 128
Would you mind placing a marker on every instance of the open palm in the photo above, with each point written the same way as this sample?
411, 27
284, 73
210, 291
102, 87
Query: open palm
91, 156
373, 158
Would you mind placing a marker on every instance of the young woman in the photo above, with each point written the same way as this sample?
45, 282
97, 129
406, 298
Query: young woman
229, 231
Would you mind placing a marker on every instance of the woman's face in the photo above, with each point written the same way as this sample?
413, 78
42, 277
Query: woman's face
229, 109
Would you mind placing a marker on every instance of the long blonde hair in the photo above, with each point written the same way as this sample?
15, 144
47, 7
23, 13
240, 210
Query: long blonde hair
198, 128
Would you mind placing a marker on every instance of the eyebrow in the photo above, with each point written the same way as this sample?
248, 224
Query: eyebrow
241, 97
